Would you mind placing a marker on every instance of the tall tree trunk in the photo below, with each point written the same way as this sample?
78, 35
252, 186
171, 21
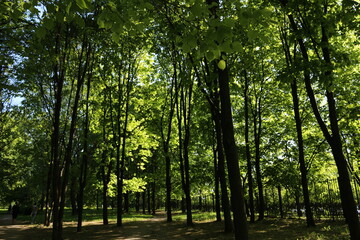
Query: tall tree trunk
123, 156
304, 182
280, 202
216, 183
228, 227
247, 146
232, 159
105, 176
183, 112
144, 201
153, 201
166, 149
82, 70
58, 77
333, 138
73, 196
213, 100
85, 157
148, 191
186, 102
48, 191
137, 201
257, 134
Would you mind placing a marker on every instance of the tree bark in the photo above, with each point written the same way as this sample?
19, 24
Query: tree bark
334, 139
237, 196
228, 227
216, 183
247, 146
257, 134
85, 157
304, 182
280, 202
166, 149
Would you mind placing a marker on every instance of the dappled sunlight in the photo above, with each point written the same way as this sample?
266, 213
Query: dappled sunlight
156, 227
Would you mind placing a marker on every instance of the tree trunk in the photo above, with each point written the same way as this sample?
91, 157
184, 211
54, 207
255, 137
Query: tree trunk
228, 227
48, 191
216, 183
248, 156
153, 208
69, 149
304, 182
144, 201
334, 139
85, 157
137, 201
55, 139
73, 196
298, 205
280, 202
105, 176
148, 190
232, 159
126, 202
166, 142
257, 133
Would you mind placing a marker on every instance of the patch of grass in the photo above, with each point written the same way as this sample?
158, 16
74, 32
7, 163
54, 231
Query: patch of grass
90, 215
3, 211
197, 216
296, 229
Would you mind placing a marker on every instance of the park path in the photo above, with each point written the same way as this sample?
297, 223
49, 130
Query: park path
152, 228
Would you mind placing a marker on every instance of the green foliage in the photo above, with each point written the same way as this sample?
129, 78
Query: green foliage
140, 47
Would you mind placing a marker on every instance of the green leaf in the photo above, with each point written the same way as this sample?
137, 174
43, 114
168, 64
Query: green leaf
68, 7
49, 23
40, 32
115, 37
101, 23
82, 4
210, 55
252, 34
236, 46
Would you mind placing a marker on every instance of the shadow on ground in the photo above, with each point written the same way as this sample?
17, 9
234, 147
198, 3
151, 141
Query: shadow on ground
158, 228
155, 229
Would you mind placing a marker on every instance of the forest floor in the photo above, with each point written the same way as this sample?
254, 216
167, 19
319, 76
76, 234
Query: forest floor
158, 228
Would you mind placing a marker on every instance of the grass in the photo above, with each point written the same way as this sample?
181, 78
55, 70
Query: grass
88, 216
197, 216
277, 228
296, 229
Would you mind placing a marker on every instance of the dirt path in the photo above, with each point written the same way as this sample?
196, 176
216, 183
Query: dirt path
152, 228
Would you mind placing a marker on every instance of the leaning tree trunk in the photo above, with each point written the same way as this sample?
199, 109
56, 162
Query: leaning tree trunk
85, 157
232, 159
303, 171
304, 182
69, 149
215, 105
333, 138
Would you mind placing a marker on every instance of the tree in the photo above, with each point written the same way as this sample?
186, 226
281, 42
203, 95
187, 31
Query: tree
333, 138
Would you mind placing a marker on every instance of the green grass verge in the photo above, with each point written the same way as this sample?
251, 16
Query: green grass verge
196, 215
90, 215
